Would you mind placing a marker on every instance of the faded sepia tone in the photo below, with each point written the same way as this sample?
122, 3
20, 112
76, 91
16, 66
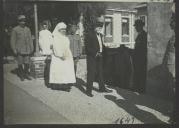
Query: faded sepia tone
40, 100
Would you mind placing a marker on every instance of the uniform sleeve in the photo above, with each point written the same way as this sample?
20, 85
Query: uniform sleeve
13, 40
31, 41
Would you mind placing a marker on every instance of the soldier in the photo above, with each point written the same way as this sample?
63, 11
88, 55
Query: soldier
75, 45
22, 46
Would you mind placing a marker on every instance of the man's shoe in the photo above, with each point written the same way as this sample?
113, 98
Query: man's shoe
21, 78
105, 90
141, 91
68, 89
89, 94
27, 77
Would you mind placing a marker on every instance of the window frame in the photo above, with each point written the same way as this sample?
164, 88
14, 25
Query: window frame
112, 34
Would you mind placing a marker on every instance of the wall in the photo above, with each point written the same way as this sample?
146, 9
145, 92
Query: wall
159, 33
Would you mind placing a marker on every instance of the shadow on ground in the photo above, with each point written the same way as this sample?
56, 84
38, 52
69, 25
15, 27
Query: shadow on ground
132, 99
80, 84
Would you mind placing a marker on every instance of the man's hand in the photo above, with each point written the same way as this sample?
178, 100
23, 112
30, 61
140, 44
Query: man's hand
51, 46
63, 58
15, 52
78, 57
99, 54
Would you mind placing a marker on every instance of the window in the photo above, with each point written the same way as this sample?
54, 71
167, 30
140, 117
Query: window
108, 30
125, 29
143, 18
108, 26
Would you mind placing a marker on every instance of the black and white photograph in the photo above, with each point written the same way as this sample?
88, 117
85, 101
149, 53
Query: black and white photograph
89, 62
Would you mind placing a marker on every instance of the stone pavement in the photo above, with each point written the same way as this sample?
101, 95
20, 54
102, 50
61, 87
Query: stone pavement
120, 106
22, 108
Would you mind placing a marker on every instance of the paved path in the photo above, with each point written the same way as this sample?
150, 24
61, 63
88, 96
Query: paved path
22, 108
120, 106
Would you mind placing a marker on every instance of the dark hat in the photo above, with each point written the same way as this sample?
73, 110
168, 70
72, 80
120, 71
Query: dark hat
139, 22
99, 21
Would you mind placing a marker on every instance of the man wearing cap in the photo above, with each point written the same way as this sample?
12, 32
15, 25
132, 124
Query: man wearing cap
140, 58
22, 46
94, 50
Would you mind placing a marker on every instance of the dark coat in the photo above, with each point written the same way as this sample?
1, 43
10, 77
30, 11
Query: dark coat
140, 61
94, 64
140, 51
124, 67
92, 44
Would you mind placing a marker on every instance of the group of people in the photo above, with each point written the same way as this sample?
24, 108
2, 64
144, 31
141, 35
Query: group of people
62, 53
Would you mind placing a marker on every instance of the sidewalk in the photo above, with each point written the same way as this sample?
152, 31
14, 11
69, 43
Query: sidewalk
22, 108
120, 106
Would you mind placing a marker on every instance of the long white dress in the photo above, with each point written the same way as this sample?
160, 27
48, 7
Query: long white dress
61, 71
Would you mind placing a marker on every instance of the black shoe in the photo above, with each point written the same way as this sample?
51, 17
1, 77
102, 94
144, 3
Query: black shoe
89, 93
141, 91
66, 89
47, 85
27, 77
21, 78
52, 86
105, 90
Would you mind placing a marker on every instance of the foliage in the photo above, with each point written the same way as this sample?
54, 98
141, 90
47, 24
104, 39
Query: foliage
67, 12
90, 12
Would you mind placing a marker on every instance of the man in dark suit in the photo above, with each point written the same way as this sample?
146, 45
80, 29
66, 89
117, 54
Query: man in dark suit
140, 58
94, 50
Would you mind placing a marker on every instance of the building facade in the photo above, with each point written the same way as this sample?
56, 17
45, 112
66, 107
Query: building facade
119, 27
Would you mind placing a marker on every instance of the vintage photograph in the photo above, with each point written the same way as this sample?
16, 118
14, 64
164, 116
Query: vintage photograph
89, 62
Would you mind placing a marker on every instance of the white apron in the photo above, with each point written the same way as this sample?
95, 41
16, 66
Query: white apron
61, 71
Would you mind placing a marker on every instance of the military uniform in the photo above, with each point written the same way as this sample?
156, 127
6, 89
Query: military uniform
22, 46
75, 47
